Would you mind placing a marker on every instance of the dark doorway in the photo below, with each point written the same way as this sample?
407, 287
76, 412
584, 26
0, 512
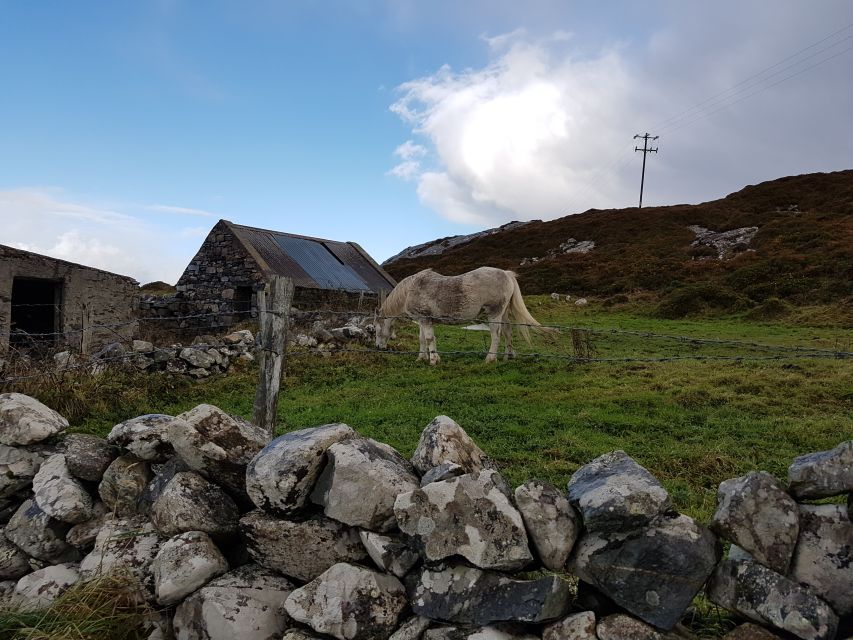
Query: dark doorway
243, 301
36, 311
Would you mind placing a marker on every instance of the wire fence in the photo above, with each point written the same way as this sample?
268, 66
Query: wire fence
584, 344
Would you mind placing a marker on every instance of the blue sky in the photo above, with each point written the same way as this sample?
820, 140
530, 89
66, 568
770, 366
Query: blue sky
127, 129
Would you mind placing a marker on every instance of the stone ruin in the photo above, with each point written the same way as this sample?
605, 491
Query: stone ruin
325, 533
209, 355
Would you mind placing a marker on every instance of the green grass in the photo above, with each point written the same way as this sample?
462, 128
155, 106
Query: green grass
691, 423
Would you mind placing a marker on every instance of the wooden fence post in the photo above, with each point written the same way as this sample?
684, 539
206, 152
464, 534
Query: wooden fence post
274, 308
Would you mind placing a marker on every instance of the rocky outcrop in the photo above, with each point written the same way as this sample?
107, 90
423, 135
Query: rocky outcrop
726, 244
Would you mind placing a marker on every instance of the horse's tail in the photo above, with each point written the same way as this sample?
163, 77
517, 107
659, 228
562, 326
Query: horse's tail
519, 313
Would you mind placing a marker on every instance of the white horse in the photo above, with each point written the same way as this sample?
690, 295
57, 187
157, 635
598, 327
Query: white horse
428, 297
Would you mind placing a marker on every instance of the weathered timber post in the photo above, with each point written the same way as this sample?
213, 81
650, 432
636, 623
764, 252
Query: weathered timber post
274, 308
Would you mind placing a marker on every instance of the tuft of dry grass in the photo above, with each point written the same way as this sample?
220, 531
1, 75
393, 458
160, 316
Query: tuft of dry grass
109, 607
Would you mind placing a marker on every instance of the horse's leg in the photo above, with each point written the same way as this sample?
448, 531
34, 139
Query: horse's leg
423, 355
495, 330
429, 336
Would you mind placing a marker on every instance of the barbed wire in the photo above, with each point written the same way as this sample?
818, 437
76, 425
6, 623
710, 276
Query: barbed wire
776, 352
443, 320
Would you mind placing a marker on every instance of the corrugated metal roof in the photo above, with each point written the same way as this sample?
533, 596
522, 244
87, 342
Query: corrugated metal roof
315, 263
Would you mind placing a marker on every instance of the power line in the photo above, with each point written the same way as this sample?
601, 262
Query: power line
718, 101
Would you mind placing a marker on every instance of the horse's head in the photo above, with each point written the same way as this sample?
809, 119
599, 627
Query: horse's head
382, 328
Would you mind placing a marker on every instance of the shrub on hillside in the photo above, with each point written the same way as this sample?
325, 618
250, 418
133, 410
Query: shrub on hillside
699, 299
770, 309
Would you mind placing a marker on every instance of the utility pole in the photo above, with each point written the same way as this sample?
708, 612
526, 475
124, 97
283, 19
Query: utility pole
645, 138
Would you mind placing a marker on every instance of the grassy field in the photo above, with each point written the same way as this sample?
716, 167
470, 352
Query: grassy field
691, 423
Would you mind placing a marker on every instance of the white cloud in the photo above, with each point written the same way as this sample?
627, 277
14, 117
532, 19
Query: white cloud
545, 128
50, 222
409, 150
186, 211
515, 138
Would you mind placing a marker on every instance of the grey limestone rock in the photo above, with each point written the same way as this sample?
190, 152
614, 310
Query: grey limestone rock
764, 596
40, 536
822, 474
281, 477
25, 420
17, 468
14, 563
750, 631
468, 596
163, 474
614, 493
445, 441
124, 544
552, 524
191, 503
444, 471
87, 456
184, 564
83, 535
301, 549
389, 552
618, 626
123, 483
360, 483
246, 603
146, 437
349, 602
411, 629
577, 626
756, 514
7, 590
59, 495
652, 572
197, 357
217, 446
497, 632
471, 516
823, 559
299, 634
39, 589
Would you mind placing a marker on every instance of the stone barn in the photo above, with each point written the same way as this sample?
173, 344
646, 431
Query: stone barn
235, 261
48, 302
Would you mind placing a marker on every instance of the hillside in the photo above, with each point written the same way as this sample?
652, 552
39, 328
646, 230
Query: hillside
801, 252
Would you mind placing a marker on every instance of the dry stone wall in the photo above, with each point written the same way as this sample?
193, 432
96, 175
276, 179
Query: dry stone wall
323, 533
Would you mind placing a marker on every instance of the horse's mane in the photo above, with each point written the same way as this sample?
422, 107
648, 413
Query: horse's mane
396, 300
